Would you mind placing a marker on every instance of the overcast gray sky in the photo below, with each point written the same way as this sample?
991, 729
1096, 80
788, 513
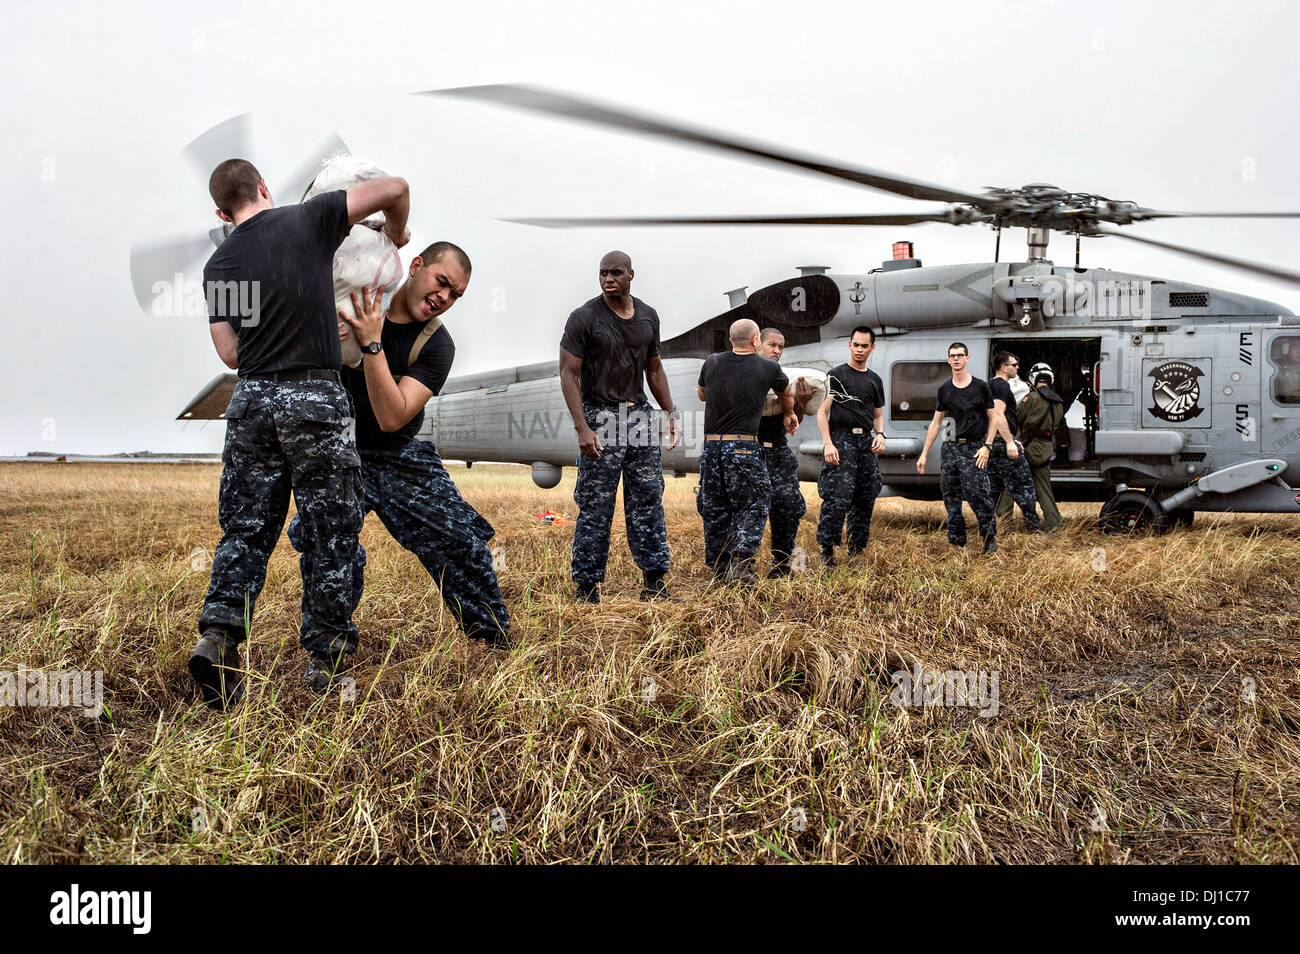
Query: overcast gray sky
1176, 106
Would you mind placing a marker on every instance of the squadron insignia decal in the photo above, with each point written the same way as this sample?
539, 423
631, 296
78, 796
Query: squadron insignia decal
1176, 391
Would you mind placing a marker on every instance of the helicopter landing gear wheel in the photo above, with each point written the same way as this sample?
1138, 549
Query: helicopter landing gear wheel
1133, 512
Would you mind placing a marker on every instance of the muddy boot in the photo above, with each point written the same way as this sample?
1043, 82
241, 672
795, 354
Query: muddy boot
217, 668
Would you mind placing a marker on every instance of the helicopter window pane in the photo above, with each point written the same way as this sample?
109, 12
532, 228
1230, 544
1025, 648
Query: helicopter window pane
1284, 354
914, 389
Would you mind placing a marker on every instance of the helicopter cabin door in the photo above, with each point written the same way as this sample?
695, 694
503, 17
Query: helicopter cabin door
1279, 425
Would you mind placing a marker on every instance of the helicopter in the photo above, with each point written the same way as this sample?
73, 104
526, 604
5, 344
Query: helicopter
1181, 397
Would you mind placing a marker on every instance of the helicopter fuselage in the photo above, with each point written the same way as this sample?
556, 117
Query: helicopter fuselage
1167, 381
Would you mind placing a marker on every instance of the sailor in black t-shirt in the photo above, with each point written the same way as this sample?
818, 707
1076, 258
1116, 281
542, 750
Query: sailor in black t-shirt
787, 506
735, 491
1009, 476
406, 483
968, 401
852, 424
271, 315
609, 350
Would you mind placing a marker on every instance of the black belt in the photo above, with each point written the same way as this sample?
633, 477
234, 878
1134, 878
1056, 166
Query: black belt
849, 430
967, 440
301, 374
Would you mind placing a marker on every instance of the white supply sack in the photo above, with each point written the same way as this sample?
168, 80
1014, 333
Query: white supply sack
367, 257
815, 379
1020, 388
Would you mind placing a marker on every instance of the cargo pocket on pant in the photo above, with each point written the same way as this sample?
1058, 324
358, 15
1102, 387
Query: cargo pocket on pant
234, 413
337, 424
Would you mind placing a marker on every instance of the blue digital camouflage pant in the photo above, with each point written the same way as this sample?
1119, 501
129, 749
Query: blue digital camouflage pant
959, 480
735, 494
282, 437
787, 504
630, 438
1014, 477
848, 490
416, 500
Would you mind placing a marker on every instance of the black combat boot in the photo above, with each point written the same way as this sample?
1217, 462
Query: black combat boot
325, 670
217, 668
588, 593
742, 571
828, 557
990, 544
780, 566
654, 589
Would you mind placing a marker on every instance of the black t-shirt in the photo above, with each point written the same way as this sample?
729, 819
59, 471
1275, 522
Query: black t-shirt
735, 387
614, 351
1001, 391
430, 369
273, 280
967, 407
857, 394
771, 429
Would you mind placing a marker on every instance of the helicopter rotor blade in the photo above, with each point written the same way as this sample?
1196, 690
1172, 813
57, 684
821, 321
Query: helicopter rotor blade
296, 185
540, 100
885, 218
162, 262
1269, 271
227, 140
1157, 214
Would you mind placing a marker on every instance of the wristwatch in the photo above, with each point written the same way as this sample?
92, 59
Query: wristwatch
373, 348
988, 445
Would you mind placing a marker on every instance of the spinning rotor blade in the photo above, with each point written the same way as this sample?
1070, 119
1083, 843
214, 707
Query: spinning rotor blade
228, 140
1269, 271
295, 187
1156, 214
885, 218
163, 261
544, 101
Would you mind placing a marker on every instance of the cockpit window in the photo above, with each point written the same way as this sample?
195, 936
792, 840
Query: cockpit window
1284, 354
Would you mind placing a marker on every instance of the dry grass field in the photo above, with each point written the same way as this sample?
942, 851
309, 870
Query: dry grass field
1146, 708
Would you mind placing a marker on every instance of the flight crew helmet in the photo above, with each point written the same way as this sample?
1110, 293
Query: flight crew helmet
1043, 368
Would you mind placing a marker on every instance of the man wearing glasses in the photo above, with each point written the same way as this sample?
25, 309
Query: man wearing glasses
969, 402
1008, 464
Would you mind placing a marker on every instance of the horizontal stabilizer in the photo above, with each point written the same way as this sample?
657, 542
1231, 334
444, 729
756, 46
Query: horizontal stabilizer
210, 403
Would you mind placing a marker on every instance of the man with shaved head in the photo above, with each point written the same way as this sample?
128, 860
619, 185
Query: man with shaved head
610, 349
735, 491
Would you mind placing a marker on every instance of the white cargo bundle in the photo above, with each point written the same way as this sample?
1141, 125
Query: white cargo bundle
1019, 388
815, 379
367, 256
